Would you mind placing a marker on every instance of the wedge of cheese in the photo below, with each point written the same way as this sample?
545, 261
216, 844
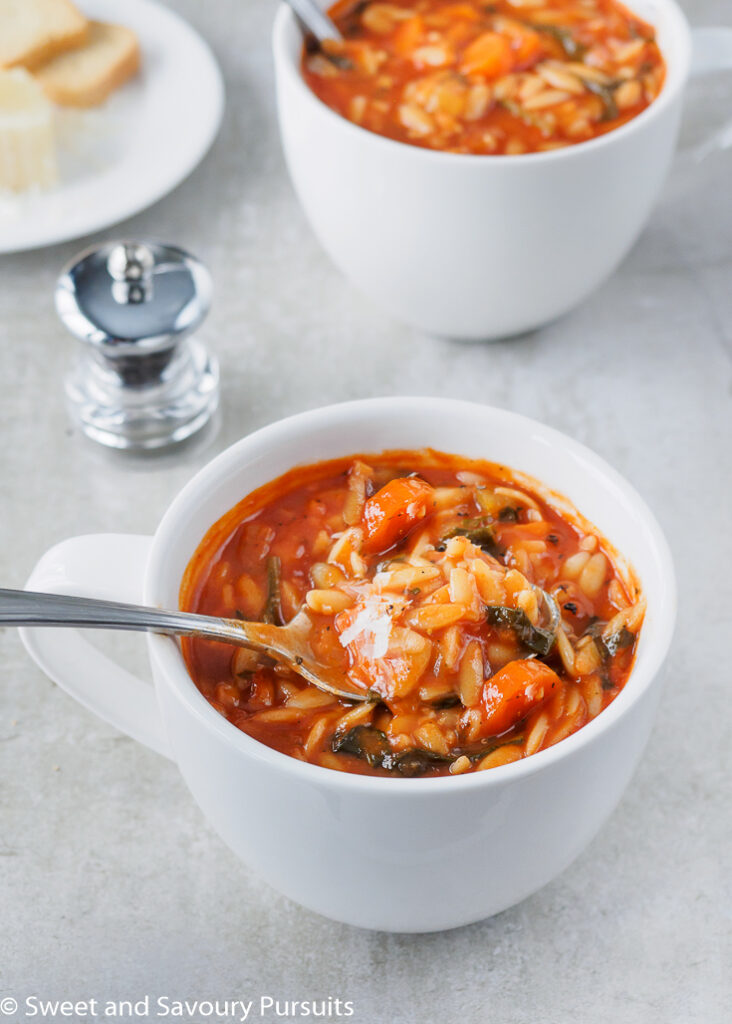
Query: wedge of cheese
27, 143
85, 77
33, 31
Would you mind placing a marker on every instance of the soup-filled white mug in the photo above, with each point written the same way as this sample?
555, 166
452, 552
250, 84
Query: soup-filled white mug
395, 854
481, 247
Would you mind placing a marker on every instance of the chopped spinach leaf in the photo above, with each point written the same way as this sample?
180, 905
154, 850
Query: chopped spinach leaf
371, 745
572, 48
479, 532
340, 61
610, 645
607, 95
540, 641
508, 514
417, 762
365, 742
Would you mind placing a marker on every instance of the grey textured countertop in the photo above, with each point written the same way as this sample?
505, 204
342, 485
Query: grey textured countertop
112, 884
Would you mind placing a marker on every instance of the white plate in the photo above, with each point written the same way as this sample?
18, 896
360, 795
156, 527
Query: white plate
119, 158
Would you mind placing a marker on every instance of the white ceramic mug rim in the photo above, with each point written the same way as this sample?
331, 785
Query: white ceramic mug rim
677, 72
169, 658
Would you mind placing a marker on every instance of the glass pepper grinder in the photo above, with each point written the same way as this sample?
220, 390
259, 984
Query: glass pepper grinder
141, 380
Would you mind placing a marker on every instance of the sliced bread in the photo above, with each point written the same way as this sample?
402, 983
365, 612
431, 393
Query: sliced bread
33, 31
27, 144
84, 77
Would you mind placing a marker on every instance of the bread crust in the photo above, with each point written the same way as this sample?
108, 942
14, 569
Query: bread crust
48, 45
64, 90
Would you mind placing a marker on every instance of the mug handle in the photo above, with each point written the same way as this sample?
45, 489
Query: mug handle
111, 567
712, 53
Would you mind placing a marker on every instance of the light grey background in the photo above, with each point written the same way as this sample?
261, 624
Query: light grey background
112, 884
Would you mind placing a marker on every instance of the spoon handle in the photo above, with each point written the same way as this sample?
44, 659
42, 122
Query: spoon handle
26, 608
315, 20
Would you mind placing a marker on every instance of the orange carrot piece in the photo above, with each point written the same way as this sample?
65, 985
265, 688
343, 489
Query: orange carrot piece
408, 36
527, 46
490, 55
391, 513
513, 691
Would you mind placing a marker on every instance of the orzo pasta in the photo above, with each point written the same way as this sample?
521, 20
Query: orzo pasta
484, 620
469, 76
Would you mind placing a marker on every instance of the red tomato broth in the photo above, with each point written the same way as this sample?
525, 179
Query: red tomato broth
487, 78
524, 704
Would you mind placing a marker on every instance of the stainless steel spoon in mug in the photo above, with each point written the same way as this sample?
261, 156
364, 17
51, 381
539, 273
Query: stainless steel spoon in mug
287, 644
315, 20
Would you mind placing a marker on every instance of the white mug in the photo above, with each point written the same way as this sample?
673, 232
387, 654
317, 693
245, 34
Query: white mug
403, 855
481, 247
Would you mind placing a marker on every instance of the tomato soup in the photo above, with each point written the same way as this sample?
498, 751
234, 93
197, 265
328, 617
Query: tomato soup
507, 77
482, 618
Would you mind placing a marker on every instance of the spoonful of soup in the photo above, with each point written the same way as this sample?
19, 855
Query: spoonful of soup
288, 644
372, 635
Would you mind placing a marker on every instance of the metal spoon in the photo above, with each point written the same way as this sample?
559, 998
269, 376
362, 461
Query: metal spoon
287, 644
316, 21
